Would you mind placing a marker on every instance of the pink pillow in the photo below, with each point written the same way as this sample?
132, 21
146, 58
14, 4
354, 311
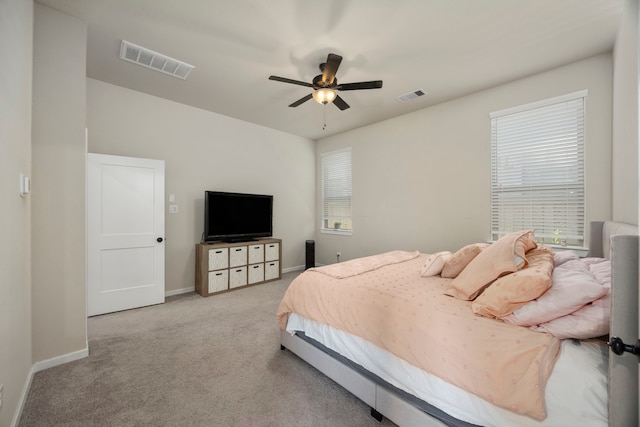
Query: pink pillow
434, 263
460, 259
591, 321
504, 256
561, 257
601, 270
573, 286
510, 292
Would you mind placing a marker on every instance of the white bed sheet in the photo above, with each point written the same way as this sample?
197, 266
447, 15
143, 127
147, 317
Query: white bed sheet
576, 392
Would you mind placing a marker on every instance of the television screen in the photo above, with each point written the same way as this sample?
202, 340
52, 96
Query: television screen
237, 216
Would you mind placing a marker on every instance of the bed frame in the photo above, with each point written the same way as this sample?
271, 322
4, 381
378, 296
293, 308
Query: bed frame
607, 238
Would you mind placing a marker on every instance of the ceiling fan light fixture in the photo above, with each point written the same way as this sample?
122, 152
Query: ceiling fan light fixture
325, 85
324, 95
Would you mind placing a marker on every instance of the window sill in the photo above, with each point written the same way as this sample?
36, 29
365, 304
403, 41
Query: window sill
336, 231
581, 251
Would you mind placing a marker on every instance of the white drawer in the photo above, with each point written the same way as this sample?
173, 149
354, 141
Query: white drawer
256, 254
271, 252
218, 280
256, 273
218, 259
237, 277
271, 270
237, 256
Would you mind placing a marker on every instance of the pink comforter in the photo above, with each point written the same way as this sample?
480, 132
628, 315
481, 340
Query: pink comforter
394, 308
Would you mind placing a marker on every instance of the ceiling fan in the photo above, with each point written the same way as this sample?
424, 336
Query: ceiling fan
325, 85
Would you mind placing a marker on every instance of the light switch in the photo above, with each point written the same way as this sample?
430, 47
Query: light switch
172, 198
25, 185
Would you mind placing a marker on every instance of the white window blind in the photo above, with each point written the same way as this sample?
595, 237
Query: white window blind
537, 170
336, 191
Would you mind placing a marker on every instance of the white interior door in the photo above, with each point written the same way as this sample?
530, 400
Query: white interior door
125, 231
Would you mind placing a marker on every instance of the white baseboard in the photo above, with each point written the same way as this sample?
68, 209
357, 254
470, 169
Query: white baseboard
65, 358
23, 398
40, 366
298, 268
188, 290
290, 269
179, 292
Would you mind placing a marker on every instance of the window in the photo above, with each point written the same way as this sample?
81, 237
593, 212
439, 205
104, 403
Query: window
336, 192
537, 170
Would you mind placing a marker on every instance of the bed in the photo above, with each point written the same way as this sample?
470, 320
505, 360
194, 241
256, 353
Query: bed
478, 359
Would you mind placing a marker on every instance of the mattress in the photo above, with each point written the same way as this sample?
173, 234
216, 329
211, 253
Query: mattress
576, 393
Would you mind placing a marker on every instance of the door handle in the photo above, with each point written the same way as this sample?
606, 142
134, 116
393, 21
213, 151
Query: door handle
159, 240
619, 347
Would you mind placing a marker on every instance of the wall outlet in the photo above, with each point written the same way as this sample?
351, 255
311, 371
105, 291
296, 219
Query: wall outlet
1, 388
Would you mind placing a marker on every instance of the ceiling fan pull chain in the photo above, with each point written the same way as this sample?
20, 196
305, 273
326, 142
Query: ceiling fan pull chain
324, 117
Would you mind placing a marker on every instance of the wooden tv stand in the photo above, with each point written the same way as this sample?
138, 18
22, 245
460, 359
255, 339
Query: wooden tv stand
222, 267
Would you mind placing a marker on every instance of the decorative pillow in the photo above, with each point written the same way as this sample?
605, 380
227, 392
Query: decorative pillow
503, 256
601, 270
460, 259
591, 321
561, 257
573, 286
510, 292
523, 245
434, 264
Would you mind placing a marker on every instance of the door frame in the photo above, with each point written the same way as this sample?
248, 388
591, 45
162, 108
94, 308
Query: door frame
159, 234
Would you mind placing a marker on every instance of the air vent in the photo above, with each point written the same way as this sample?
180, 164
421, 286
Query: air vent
154, 60
411, 95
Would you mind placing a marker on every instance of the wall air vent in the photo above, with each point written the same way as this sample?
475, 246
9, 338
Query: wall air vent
154, 60
411, 95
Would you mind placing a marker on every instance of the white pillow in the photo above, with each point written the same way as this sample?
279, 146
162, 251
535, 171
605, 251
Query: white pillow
434, 263
601, 269
573, 286
591, 321
560, 257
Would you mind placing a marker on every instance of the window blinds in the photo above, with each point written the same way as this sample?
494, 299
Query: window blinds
336, 190
537, 170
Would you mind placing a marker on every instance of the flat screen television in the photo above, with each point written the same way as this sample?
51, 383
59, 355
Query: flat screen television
237, 217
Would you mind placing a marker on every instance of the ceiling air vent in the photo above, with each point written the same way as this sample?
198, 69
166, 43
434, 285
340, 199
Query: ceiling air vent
154, 60
411, 95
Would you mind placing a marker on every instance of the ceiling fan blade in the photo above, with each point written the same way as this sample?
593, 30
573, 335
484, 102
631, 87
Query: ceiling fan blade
339, 102
301, 100
286, 80
331, 68
375, 84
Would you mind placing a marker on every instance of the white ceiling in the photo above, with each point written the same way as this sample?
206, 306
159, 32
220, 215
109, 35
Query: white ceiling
447, 48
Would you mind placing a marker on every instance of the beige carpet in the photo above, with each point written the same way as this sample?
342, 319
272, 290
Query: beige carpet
192, 361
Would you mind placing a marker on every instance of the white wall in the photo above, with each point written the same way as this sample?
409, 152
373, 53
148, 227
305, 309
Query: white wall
16, 35
421, 181
625, 117
58, 190
207, 151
